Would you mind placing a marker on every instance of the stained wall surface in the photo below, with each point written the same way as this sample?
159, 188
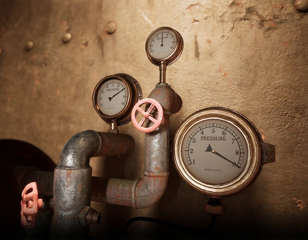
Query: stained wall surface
247, 55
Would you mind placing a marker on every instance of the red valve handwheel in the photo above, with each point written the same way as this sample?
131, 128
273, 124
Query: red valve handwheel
154, 106
30, 204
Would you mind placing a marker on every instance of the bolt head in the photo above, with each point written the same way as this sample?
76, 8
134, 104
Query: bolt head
301, 5
67, 37
29, 45
111, 27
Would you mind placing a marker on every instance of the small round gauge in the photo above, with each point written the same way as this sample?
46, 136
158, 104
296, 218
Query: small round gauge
164, 45
115, 95
217, 151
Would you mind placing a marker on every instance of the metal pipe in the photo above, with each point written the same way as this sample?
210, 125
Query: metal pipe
149, 189
162, 72
72, 188
72, 178
78, 150
44, 180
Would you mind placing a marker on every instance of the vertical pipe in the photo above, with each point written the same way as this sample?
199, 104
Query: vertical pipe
72, 179
147, 190
71, 194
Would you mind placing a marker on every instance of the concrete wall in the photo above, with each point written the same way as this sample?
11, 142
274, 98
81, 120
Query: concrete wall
247, 55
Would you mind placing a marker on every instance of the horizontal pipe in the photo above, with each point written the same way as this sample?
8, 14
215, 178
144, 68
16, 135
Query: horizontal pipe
139, 193
78, 150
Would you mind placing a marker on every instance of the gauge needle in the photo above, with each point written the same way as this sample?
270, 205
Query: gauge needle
110, 98
162, 40
209, 149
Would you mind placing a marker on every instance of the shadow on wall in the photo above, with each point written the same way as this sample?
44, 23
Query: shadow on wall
16, 153
15, 12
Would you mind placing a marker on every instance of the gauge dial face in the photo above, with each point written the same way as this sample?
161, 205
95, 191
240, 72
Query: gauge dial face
113, 97
162, 44
215, 151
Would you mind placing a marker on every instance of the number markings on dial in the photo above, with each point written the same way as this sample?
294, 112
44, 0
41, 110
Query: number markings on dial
109, 97
210, 155
162, 44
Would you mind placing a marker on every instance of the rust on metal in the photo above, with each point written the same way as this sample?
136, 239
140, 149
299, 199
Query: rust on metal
151, 186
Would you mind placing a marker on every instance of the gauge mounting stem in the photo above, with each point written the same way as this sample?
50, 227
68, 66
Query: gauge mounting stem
162, 72
114, 126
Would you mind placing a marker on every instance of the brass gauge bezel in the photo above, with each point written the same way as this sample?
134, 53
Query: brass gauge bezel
173, 56
134, 93
250, 135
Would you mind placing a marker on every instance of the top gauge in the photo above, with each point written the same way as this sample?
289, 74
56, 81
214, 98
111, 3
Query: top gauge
164, 45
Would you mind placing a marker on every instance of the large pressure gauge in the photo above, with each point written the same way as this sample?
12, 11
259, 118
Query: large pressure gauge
164, 45
217, 151
114, 96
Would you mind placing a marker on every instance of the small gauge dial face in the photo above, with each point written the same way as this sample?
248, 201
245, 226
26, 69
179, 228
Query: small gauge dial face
215, 151
113, 97
162, 44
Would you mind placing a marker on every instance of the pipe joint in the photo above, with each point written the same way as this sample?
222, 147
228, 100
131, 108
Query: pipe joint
167, 97
89, 216
72, 179
149, 190
79, 149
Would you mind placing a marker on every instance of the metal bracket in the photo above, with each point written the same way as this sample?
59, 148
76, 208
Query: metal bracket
268, 153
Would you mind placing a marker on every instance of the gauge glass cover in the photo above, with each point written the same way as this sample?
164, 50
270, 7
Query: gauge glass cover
162, 44
113, 97
217, 151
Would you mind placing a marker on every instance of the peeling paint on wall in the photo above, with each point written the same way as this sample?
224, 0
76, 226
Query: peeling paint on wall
197, 53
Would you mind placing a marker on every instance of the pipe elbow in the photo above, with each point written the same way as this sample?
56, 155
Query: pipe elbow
142, 193
78, 150
149, 190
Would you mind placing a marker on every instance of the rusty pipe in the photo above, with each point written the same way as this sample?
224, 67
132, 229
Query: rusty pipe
72, 178
78, 150
147, 190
